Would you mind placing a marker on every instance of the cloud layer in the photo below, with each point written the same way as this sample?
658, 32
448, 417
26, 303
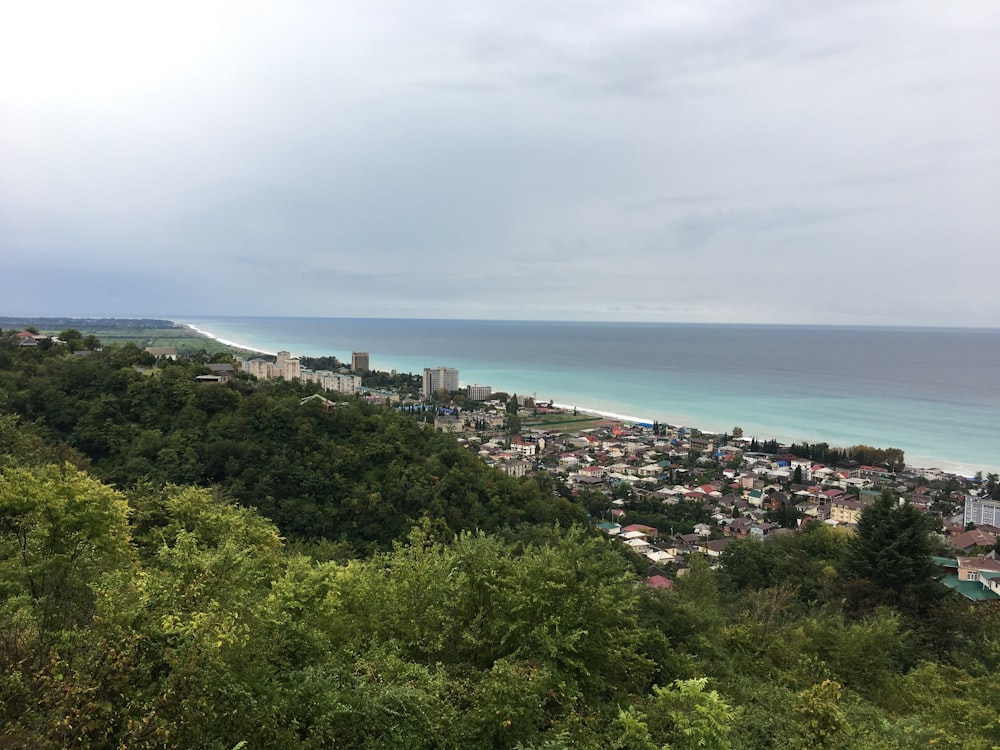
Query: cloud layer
763, 161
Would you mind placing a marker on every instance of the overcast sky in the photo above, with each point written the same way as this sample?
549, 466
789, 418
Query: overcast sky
752, 160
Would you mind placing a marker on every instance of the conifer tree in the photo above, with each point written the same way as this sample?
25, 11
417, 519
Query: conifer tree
892, 550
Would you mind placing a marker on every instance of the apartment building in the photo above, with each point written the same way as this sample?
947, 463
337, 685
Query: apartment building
479, 392
438, 378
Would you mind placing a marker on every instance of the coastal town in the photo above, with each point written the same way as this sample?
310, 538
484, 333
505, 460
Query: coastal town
711, 489
667, 492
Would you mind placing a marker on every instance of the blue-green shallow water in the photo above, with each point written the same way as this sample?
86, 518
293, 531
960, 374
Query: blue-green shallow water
935, 393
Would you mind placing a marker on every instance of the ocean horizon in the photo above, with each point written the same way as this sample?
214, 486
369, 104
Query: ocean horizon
933, 392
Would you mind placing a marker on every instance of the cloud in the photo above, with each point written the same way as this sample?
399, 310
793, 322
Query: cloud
694, 160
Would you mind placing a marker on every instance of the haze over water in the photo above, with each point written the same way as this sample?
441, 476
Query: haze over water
935, 393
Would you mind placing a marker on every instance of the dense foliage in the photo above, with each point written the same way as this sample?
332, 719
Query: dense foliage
159, 613
358, 475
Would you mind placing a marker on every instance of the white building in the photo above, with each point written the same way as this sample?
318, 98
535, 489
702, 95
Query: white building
338, 382
438, 378
982, 511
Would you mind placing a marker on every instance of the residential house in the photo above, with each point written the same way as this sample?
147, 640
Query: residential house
981, 536
713, 548
660, 582
641, 529
166, 352
975, 578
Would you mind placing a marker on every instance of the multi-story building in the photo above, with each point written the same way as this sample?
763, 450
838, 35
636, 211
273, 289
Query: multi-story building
846, 510
341, 383
329, 380
479, 392
979, 511
259, 368
288, 366
359, 362
438, 378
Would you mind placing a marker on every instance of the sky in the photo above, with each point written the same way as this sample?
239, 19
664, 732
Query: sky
762, 161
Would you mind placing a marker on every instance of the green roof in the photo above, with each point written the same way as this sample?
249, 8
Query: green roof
945, 562
969, 589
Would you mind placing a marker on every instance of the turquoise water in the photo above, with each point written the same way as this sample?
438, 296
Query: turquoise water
935, 393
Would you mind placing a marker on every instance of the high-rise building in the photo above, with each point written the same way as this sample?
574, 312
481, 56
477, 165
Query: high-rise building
438, 378
359, 362
479, 392
288, 366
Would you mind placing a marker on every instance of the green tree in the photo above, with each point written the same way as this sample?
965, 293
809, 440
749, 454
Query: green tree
892, 550
513, 423
683, 716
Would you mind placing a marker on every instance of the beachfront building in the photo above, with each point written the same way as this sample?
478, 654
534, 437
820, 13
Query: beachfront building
289, 366
982, 511
359, 362
439, 378
479, 392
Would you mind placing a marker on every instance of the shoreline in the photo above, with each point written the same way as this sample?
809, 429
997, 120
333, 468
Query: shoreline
960, 469
213, 337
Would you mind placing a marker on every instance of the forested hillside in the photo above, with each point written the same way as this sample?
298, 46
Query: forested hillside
357, 475
144, 603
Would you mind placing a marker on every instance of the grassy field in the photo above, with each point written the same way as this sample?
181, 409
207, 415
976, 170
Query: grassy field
183, 340
142, 332
564, 422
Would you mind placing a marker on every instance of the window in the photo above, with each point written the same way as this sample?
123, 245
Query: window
973, 576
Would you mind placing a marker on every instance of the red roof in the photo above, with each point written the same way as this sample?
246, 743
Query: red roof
660, 582
639, 527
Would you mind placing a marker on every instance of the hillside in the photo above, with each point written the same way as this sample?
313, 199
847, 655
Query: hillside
205, 565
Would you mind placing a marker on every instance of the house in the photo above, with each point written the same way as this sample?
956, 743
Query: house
637, 544
846, 510
762, 530
982, 536
658, 556
327, 403
28, 338
738, 527
975, 578
516, 468
167, 352
702, 444
714, 547
660, 582
650, 470
223, 371
526, 448
448, 423
640, 528
568, 461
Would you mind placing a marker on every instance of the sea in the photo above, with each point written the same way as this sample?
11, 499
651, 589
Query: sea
932, 392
